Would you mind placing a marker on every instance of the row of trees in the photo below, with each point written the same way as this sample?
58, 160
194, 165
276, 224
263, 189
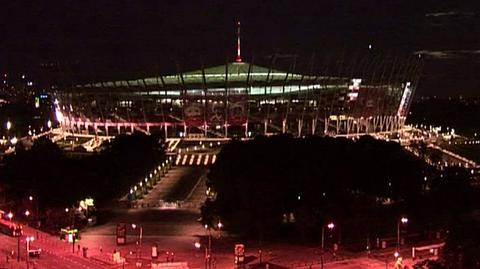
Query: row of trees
57, 181
316, 179
282, 187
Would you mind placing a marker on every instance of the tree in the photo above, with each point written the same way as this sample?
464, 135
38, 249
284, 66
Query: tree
462, 246
311, 181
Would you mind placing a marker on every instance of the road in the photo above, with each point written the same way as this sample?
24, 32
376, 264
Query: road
177, 229
176, 185
55, 253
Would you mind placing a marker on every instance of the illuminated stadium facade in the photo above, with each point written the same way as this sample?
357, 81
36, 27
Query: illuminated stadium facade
240, 99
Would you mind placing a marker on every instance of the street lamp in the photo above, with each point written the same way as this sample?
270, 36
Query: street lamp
27, 213
140, 237
9, 126
207, 256
10, 216
29, 239
329, 226
402, 220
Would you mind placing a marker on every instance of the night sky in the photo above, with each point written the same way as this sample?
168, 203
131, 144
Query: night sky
121, 39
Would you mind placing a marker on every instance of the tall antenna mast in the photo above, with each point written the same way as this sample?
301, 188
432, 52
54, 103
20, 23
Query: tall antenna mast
238, 59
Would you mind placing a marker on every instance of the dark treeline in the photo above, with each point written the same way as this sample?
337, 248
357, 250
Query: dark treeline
56, 180
281, 187
317, 179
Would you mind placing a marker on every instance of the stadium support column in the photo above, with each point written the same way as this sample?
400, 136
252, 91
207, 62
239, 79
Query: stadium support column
325, 128
402, 122
349, 124
337, 129
300, 126
165, 127
265, 125
204, 101
246, 129
284, 126
389, 124
314, 125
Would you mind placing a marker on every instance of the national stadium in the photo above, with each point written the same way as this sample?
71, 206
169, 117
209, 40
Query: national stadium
242, 99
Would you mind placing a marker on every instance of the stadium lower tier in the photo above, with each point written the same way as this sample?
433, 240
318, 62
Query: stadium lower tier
241, 115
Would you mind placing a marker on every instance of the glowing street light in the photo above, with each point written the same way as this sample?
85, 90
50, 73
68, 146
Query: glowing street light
29, 239
10, 215
9, 125
330, 226
27, 213
402, 220
49, 124
140, 237
207, 256
30, 198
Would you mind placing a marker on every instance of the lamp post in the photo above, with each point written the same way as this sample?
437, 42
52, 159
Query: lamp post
402, 220
140, 237
207, 257
209, 241
10, 216
29, 239
208, 248
27, 214
36, 210
329, 226
9, 126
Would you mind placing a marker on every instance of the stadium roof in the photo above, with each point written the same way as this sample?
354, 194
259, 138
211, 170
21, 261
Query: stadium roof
235, 72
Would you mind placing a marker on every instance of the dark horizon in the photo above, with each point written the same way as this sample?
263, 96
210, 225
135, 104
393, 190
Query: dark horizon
120, 39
